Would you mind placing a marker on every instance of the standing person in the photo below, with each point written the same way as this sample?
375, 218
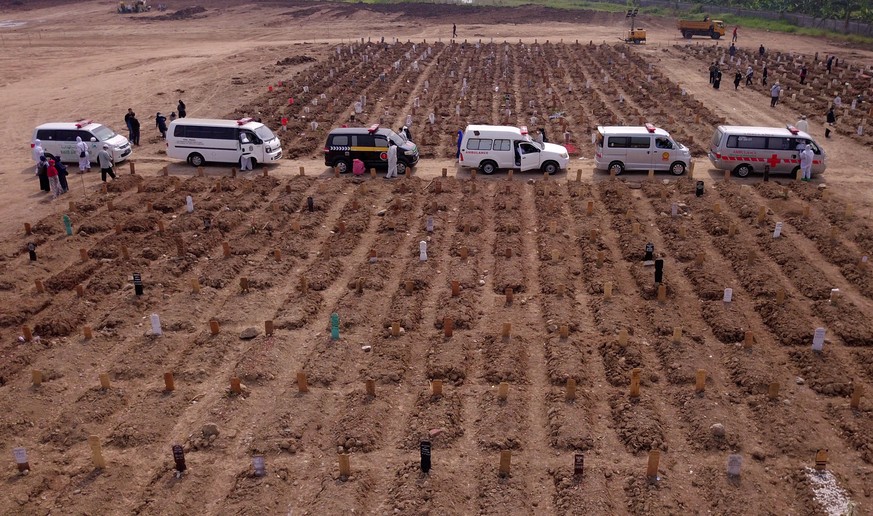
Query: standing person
802, 124
127, 118
764, 76
716, 82
245, 159
732, 50
62, 176
738, 78
82, 150
105, 161
161, 124
42, 172
134, 130
761, 50
806, 158
832, 120
181, 109
712, 68
749, 74
734, 37
37, 152
454, 31
460, 137
774, 94
392, 161
803, 73
830, 63
54, 182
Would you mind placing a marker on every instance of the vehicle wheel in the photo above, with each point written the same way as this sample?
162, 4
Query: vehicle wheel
743, 170
401, 168
794, 172
488, 167
616, 167
677, 168
551, 168
196, 160
715, 35
342, 165
686, 34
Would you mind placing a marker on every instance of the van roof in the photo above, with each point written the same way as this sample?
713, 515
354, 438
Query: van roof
214, 122
493, 128
359, 130
629, 130
748, 130
67, 125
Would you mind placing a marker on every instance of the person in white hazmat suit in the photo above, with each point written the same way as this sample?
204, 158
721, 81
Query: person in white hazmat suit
83, 152
806, 158
37, 152
392, 161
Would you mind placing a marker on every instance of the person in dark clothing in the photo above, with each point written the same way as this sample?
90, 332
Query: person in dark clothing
738, 78
803, 73
732, 50
161, 124
764, 76
716, 81
134, 130
831, 119
181, 109
105, 160
543, 132
62, 176
454, 31
712, 68
127, 118
830, 63
749, 74
761, 50
42, 172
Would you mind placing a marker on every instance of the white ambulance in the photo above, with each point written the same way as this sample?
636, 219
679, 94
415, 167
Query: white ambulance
744, 150
58, 140
201, 140
492, 147
620, 148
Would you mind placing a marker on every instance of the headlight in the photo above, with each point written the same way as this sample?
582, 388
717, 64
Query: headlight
267, 150
409, 153
565, 155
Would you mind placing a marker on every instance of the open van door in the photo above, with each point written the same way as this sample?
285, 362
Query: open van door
530, 156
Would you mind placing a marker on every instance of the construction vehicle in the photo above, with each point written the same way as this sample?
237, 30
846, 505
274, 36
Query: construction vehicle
635, 35
712, 28
139, 6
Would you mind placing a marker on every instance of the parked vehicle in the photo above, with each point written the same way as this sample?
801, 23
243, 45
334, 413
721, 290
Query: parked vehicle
370, 145
201, 140
620, 148
493, 147
712, 28
59, 140
744, 150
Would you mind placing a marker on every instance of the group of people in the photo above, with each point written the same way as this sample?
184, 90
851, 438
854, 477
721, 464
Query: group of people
160, 122
52, 174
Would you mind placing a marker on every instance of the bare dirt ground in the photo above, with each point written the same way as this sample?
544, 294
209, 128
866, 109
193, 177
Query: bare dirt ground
356, 254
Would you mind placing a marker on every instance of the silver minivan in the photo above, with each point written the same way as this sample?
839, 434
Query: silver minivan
620, 148
745, 149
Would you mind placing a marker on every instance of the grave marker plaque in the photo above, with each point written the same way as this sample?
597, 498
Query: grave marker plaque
698, 190
425, 449
578, 464
137, 283
20, 455
659, 271
734, 463
818, 339
650, 252
259, 466
31, 251
179, 459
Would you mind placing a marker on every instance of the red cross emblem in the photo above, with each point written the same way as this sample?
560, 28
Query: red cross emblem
773, 161
384, 156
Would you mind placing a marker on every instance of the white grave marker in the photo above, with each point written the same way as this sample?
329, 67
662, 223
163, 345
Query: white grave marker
189, 204
156, 325
20, 455
778, 231
818, 339
429, 225
734, 463
674, 209
728, 295
422, 251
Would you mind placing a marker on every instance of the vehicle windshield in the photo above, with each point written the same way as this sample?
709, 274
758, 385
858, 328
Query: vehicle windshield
264, 133
396, 138
103, 133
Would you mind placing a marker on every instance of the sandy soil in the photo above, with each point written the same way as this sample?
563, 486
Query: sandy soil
530, 235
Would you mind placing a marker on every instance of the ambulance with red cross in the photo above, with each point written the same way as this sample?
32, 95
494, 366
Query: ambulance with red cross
744, 149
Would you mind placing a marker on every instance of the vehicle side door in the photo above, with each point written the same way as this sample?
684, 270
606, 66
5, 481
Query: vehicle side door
530, 156
379, 156
639, 153
662, 156
787, 155
254, 146
67, 144
503, 153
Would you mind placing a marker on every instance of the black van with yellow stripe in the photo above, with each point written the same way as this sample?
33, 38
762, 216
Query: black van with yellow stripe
370, 145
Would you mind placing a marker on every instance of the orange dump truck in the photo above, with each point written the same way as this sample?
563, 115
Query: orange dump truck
712, 28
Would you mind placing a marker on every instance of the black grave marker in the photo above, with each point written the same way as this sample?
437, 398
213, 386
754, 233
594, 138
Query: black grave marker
137, 283
179, 458
425, 456
698, 191
659, 271
578, 464
310, 204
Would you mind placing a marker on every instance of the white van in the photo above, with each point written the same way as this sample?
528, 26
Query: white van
744, 150
200, 140
58, 139
492, 147
646, 147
